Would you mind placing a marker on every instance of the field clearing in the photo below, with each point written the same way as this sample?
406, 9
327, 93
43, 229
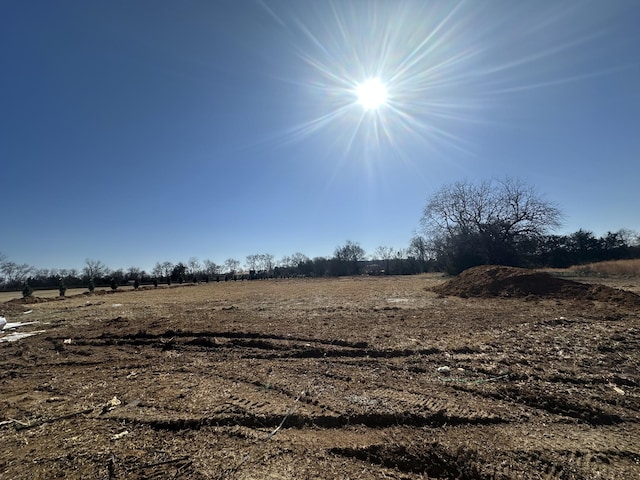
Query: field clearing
368, 377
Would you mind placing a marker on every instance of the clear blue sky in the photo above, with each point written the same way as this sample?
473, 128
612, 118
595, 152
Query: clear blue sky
141, 131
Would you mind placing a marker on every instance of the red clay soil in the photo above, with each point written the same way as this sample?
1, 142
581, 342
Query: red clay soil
497, 281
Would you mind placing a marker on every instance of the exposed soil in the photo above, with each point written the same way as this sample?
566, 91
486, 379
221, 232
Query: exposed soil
499, 281
352, 378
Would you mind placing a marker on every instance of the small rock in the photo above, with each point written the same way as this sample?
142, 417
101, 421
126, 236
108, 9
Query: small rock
444, 370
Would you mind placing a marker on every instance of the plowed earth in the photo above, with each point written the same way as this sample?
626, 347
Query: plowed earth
327, 378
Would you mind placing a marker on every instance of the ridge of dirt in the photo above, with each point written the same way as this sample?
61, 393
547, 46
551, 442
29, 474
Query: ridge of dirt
499, 281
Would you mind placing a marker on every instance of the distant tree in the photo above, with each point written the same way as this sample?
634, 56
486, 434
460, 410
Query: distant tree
231, 265
419, 250
167, 268
118, 276
268, 262
286, 262
27, 291
298, 259
252, 262
194, 265
94, 269
61, 288
114, 284
14, 274
496, 222
3, 259
346, 259
134, 273
211, 268
178, 272
584, 247
321, 266
158, 270
384, 254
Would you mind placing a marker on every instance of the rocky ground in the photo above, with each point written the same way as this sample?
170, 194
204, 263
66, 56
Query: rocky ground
493, 375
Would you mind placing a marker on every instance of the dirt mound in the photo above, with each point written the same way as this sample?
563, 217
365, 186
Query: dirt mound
33, 299
497, 281
29, 300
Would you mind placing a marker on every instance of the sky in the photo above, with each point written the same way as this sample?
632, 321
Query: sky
136, 132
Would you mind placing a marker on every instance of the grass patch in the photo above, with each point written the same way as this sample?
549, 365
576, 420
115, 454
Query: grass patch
611, 268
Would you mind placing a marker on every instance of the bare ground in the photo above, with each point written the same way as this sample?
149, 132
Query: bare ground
323, 379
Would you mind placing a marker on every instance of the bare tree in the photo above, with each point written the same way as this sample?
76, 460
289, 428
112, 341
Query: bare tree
350, 252
134, 273
286, 262
267, 262
252, 262
346, 257
211, 268
384, 254
194, 265
298, 258
94, 269
157, 270
231, 265
419, 249
14, 274
167, 268
486, 222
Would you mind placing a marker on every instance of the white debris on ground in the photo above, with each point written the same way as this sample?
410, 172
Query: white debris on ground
14, 325
14, 336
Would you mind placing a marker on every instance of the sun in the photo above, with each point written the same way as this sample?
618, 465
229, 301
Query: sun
372, 94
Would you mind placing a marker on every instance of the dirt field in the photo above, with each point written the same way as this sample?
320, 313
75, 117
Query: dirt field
331, 378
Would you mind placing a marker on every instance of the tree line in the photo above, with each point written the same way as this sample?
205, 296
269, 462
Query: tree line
463, 224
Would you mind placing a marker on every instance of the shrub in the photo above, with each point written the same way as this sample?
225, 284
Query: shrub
91, 286
27, 291
62, 289
114, 284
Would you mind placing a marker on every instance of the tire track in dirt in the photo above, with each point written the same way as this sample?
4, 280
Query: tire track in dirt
558, 405
433, 460
466, 408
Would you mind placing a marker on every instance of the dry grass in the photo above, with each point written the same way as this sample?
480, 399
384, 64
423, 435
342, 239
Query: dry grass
613, 268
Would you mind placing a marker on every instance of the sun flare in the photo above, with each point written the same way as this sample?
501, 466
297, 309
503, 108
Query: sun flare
380, 75
372, 94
